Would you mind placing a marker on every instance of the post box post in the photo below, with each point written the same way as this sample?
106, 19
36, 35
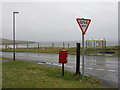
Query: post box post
62, 69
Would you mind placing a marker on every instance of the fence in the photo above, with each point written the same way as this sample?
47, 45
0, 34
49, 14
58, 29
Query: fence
38, 45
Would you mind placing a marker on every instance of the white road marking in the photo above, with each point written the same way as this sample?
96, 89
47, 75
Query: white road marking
48, 63
55, 64
100, 69
40, 63
73, 67
70, 66
89, 68
59, 65
112, 70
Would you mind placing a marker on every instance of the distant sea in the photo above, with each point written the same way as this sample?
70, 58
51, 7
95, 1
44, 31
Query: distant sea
57, 44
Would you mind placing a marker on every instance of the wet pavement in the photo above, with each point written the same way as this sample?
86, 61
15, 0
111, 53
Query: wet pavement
104, 68
4, 60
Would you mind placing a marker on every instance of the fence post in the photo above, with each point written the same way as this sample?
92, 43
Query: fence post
63, 45
105, 44
94, 43
52, 44
38, 45
103, 47
16, 45
86, 43
5, 46
27, 45
68, 45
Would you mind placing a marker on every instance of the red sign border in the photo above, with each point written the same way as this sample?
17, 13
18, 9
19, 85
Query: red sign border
83, 31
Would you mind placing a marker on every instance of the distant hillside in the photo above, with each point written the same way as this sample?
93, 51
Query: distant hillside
7, 41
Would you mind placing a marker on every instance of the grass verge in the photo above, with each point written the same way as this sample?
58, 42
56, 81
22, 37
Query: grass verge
72, 50
22, 74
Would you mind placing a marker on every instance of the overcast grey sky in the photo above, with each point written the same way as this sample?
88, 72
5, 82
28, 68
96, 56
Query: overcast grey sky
56, 21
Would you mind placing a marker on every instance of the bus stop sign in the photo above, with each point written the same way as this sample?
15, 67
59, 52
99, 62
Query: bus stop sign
83, 24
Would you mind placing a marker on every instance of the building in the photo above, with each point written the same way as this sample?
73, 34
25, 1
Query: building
96, 43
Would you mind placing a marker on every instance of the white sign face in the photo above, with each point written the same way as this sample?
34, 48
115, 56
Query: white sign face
83, 24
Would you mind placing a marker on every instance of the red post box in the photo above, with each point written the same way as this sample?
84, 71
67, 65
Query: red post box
63, 56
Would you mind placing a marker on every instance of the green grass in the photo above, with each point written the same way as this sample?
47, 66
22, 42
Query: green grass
0, 73
72, 50
4, 58
21, 74
42, 50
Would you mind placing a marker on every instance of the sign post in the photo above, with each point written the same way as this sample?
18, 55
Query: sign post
82, 56
83, 24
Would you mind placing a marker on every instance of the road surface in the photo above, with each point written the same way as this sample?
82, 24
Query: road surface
105, 68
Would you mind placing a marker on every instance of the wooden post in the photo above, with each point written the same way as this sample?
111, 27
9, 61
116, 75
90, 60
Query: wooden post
5, 46
86, 43
94, 43
68, 45
105, 44
102, 44
103, 47
38, 45
63, 45
27, 45
52, 45
16, 45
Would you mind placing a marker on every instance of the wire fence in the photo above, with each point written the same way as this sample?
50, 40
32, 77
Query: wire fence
38, 45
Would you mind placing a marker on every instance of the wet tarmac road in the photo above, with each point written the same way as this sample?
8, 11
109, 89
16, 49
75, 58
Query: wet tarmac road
105, 68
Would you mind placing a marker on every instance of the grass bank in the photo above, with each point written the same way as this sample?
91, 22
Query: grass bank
72, 50
21, 74
0, 73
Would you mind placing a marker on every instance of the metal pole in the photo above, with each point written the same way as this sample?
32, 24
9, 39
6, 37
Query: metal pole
78, 59
82, 56
13, 36
62, 69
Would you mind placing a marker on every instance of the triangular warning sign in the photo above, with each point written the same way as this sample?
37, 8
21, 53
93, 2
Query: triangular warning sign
83, 24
